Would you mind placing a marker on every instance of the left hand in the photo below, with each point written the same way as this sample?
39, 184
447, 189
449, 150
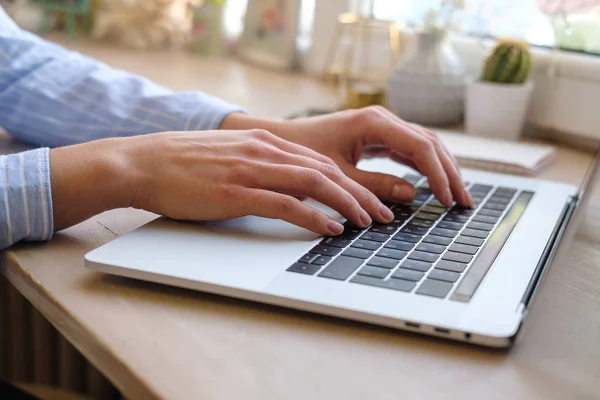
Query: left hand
345, 136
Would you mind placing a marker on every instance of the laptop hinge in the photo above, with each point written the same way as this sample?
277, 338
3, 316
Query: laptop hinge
549, 252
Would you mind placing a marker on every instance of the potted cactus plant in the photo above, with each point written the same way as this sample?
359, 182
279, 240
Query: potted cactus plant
496, 105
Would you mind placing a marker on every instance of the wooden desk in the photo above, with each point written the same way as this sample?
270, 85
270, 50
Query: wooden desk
156, 341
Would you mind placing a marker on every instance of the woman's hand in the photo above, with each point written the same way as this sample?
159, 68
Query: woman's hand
208, 176
344, 136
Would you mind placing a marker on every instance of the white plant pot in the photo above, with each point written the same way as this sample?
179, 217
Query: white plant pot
496, 110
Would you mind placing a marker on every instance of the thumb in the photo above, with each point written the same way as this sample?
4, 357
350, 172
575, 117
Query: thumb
384, 186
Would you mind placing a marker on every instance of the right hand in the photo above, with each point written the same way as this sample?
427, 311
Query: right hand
228, 174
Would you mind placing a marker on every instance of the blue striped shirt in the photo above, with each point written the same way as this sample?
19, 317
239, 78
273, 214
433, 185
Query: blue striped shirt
50, 97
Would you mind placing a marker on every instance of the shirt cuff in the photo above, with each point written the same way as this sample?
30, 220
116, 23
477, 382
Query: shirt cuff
25, 197
197, 111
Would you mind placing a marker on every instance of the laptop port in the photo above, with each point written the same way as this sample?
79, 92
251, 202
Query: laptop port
412, 325
442, 330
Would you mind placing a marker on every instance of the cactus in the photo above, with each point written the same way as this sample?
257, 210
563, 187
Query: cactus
510, 62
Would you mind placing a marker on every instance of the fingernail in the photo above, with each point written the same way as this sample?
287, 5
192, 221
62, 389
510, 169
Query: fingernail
447, 200
335, 227
364, 217
386, 213
468, 198
403, 192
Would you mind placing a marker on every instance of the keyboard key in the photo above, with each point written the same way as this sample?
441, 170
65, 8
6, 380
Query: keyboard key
407, 237
482, 226
475, 233
373, 271
433, 209
424, 184
434, 288
422, 189
400, 217
415, 230
383, 262
307, 258
503, 201
341, 268
427, 216
321, 260
421, 222
366, 244
394, 284
444, 232
507, 191
503, 195
302, 268
416, 203
457, 257
471, 241
457, 226
416, 265
350, 231
422, 196
421, 256
490, 213
412, 178
390, 253
385, 229
431, 248
397, 245
325, 250
478, 188
407, 275
336, 241
436, 203
406, 207
492, 206
486, 219
443, 241
442, 275
456, 218
397, 223
376, 237
357, 253
451, 266
463, 248
461, 211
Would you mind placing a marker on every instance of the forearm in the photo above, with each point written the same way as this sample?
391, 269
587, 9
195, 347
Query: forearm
50, 96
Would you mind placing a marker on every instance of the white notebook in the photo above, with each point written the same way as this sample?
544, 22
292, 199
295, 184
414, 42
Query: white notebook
503, 156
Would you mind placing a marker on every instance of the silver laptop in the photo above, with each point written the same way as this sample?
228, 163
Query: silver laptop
463, 274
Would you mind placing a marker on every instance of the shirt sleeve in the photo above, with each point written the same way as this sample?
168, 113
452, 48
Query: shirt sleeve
50, 96
25, 199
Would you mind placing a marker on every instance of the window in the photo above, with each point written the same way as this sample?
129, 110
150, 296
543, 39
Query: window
539, 22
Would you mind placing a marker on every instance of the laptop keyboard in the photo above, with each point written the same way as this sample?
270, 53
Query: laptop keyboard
428, 249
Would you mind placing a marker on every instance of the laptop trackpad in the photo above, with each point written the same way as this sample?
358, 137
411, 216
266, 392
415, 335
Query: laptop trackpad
245, 252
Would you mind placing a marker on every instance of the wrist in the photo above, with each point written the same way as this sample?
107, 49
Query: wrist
88, 179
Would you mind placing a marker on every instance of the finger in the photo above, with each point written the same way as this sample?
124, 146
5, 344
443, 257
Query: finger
448, 161
301, 181
387, 187
402, 159
368, 200
433, 135
268, 204
402, 138
455, 179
